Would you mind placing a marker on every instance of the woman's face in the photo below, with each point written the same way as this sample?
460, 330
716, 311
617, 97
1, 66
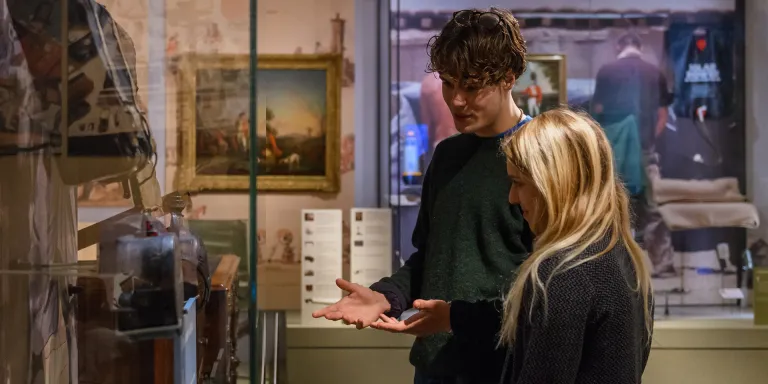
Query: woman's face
523, 193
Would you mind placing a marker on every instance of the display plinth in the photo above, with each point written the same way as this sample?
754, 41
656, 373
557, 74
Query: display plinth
685, 350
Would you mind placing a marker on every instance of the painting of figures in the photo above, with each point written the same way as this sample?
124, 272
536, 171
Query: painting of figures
291, 122
297, 123
542, 85
222, 122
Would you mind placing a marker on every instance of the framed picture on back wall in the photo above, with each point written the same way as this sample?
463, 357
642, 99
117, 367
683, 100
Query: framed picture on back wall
297, 122
542, 86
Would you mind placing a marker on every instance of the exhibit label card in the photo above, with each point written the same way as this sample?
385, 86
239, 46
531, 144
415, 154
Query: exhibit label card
760, 302
370, 256
321, 257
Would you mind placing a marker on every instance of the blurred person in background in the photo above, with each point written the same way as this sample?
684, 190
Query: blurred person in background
631, 103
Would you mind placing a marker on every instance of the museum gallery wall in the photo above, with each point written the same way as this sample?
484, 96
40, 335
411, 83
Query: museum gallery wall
293, 29
691, 56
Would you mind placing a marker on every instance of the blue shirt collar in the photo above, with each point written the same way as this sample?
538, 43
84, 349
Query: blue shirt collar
517, 126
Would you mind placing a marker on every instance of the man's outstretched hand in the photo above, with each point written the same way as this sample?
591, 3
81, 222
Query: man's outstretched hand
434, 316
362, 307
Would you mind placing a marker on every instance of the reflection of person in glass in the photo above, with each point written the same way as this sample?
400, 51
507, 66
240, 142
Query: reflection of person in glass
434, 112
534, 96
630, 102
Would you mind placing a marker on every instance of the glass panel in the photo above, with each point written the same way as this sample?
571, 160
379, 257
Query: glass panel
675, 75
71, 323
113, 218
304, 179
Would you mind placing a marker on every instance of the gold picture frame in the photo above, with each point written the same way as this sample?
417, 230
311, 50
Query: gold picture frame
551, 91
320, 142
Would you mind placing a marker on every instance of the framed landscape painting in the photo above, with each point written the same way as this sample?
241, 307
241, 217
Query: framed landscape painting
542, 86
297, 122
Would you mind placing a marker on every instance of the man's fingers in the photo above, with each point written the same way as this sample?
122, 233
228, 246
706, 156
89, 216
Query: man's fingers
348, 319
335, 315
415, 325
365, 323
424, 304
347, 286
387, 319
324, 311
391, 327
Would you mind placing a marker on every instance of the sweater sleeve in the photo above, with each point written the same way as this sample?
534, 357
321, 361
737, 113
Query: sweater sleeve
554, 337
404, 286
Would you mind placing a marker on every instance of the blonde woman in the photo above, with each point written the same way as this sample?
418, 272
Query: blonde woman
580, 309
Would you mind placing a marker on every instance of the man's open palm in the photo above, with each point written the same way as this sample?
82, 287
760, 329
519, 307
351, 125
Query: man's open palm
361, 307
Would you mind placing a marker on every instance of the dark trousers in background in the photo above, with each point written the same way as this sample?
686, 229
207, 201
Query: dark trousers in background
650, 230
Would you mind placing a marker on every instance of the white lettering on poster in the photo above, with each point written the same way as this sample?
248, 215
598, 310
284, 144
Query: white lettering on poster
702, 73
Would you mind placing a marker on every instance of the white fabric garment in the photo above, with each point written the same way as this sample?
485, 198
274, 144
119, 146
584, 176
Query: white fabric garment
677, 190
683, 216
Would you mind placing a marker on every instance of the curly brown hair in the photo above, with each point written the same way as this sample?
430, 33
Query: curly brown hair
476, 56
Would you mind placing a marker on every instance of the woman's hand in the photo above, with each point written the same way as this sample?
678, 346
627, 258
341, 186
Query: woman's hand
434, 316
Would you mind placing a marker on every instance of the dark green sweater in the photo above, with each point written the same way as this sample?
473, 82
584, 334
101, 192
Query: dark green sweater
469, 240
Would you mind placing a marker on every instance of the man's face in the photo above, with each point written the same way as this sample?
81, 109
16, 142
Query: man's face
472, 108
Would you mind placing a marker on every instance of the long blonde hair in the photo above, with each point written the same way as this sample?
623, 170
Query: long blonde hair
568, 159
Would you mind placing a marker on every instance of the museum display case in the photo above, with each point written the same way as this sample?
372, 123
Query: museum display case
146, 192
105, 275
684, 163
708, 334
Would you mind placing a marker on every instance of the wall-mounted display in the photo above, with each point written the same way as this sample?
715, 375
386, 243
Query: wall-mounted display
321, 250
371, 245
542, 86
298, 122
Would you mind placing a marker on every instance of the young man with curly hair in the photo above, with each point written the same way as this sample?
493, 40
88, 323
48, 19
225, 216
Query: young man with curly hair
469, 239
